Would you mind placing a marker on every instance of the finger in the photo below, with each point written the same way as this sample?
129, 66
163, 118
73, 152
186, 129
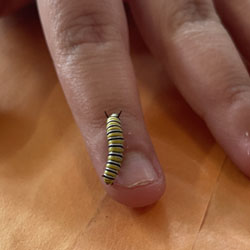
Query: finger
235, 16
88, 41
8, 6
203, 62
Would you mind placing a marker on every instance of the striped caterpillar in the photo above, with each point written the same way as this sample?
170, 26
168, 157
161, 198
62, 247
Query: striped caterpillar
115, 146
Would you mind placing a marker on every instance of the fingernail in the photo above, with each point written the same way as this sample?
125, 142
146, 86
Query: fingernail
136, 170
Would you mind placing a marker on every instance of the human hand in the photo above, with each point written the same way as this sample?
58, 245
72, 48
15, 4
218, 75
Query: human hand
88, 41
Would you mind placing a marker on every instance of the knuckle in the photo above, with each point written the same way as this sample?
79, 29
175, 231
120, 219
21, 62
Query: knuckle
189, 12
85, 27
235, 95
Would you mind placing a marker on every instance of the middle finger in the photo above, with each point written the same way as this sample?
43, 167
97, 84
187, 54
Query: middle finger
204, 64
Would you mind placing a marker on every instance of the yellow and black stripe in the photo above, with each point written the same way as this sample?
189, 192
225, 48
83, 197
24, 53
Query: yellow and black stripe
115, 145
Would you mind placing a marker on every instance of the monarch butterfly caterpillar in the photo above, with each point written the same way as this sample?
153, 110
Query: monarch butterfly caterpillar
115, 146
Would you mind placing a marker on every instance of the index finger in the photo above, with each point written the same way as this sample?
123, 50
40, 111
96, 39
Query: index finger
88, 41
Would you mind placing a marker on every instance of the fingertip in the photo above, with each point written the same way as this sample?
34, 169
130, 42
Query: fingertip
240, 154
140, 182
139, 196
231, 128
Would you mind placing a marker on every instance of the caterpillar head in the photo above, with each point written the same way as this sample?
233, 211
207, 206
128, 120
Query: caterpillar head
113, 115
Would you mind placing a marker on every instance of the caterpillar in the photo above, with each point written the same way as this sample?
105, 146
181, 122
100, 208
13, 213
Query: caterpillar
115, 148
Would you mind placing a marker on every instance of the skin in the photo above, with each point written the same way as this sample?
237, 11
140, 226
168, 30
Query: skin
88, 41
